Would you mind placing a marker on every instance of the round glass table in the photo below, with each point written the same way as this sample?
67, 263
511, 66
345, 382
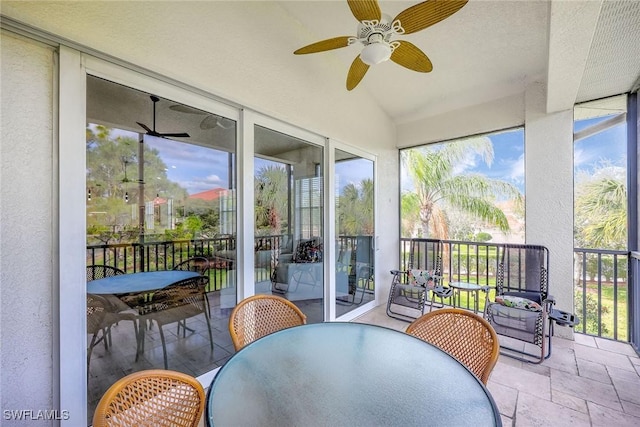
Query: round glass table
469, 288
346, 374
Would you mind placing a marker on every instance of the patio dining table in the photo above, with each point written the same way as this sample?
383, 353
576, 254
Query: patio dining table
346, 374
141, 282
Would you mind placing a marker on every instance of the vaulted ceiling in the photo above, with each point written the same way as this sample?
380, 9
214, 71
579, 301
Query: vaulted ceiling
490, 49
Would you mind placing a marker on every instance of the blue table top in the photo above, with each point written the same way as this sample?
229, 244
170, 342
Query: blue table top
137, 282
346, 374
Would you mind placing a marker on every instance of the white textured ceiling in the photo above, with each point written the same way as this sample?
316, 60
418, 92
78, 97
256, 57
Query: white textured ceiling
583, 50
489, 50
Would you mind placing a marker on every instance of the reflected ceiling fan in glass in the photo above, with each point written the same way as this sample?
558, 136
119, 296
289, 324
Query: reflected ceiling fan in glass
211, 121
153, 132
377, 32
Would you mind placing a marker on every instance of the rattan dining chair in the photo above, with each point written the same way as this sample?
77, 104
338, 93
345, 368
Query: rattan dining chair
260, 315
200, 265
152, 398
116, 309
464, 335
175, 304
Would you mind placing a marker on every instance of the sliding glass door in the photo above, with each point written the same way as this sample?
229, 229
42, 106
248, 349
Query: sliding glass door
288, 210
354, 229
161, 218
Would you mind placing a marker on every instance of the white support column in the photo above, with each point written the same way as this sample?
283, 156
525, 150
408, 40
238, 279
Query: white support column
549, 192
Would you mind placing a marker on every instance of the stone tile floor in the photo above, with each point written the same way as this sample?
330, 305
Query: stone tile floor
586, 382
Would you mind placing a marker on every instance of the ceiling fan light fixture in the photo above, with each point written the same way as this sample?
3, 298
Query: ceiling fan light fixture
375, 53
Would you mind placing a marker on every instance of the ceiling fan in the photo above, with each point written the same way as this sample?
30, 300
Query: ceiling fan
377, 32
209, 122
153, 131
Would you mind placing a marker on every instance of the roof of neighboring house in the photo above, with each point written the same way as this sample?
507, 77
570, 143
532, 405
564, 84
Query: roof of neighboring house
213, 194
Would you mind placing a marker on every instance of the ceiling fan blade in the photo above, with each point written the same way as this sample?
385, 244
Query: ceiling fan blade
356, 73
209, 122
143, 126
425, 14
321, 46
184, 109
175, 135
409, 56
365, 10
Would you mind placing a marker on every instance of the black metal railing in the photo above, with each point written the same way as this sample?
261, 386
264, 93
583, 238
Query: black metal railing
634, 300
164, 255
603, 292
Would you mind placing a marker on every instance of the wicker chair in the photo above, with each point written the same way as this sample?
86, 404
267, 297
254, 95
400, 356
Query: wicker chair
261, 315
464, 335
175, 304
97, 324
199, 265
152, 398
116, 309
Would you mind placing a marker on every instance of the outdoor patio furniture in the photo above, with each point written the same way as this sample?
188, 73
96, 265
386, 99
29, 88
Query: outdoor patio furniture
303, 266
261, 315
97, 272
175, 304
411, 288
106, 309
152, 398
346, 374
199, 265
464, 335
521, 306
97, 327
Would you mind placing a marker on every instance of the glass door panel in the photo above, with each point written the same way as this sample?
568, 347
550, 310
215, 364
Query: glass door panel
289, 232
354, 182
160, 208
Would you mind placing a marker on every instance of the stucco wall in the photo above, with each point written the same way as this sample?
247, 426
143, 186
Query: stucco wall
26, 233
549, 193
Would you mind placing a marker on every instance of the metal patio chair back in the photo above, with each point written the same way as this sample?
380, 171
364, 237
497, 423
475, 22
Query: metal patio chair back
421, 282
521, 306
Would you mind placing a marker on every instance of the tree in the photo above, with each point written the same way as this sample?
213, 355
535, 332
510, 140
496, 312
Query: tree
271, 199
113, 183
355, 209
438, 187
601, 208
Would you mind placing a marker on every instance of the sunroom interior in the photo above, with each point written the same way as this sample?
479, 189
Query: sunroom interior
67, 66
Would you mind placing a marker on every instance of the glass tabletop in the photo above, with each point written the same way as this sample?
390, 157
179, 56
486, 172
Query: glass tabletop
138, 282
353, 374
465, 286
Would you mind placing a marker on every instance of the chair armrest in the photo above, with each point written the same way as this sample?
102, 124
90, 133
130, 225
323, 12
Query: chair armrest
285, 258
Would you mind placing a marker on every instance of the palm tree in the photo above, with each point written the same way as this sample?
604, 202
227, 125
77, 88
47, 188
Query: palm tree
355, 208
437, 186
271, 198
601, 209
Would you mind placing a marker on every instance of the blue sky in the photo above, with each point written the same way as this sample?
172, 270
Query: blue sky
508, 146
605, 146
